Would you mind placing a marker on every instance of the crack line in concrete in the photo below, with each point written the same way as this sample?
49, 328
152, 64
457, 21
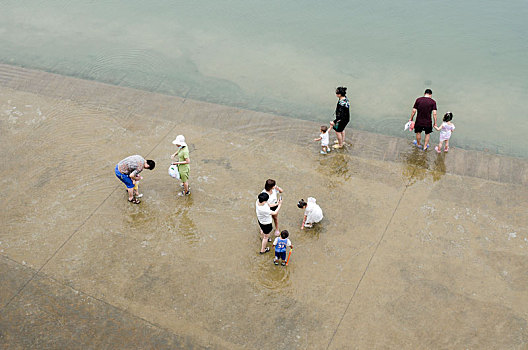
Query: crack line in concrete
370, 260
84, 221
59, 248
124, 311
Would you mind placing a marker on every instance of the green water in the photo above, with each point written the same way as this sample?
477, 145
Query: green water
287, 57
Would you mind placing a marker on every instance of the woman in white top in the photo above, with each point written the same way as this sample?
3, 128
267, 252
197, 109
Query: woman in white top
273, 191
312, 212
264, 214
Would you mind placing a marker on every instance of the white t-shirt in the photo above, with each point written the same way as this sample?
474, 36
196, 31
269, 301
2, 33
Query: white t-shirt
313, 211
263, 213
288, 243
445, 132
272, 200
325, 139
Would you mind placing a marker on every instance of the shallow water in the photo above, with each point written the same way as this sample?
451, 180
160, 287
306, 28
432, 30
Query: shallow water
287, 58
407, 237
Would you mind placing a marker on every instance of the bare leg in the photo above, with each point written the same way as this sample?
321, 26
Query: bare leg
276, 222
446, 145
339, 138
426, 142
438, 148
344, 134
130, 193
136, 189
264, 243
418, 138
186, 187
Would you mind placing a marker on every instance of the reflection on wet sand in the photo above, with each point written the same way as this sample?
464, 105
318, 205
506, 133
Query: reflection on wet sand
419, 165
184, 223
439, 167
335, 166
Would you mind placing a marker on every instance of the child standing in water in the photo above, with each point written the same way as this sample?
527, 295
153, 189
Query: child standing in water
312, 212
325, 140
280, 245
445, 129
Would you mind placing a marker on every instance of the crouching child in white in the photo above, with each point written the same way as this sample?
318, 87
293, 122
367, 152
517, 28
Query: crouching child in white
312, 212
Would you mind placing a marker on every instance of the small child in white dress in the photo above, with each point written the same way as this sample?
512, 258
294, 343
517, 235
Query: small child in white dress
325, 140
445, 129
312, 212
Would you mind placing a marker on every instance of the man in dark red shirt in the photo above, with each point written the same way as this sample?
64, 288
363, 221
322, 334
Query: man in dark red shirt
424, 106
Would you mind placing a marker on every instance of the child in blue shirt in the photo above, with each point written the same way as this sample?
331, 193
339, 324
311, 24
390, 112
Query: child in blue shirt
280, 244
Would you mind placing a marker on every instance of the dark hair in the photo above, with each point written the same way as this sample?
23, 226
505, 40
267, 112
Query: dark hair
262, 197
269, 184
341, 90
324, 128
151, 164
302, 204
284, 234
428, 92
448, 117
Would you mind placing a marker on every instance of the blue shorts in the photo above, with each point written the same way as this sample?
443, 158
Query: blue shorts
125, 178
280, 255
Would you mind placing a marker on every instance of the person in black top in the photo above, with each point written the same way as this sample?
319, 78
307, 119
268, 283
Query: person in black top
342, 114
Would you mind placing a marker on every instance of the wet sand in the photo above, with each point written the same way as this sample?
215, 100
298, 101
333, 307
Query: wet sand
415, 251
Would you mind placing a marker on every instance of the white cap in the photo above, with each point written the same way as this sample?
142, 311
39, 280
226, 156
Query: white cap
180, 140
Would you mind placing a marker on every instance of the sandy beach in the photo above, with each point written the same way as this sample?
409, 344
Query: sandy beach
416, 250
